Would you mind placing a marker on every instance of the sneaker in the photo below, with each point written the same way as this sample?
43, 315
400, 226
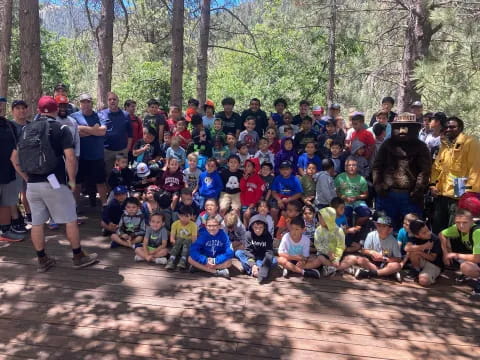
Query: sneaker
351, 270
411, 275
19, 228
223, 273
362, 274
328, 270
460, 279
28, 219
9, 236
45, 263
192, 269
138, 258
82, 260
182, 264
398, 277
170, 264
285, 273
311, 273
161, 260
53, 226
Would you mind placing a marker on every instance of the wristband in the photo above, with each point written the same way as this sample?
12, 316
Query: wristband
71, 184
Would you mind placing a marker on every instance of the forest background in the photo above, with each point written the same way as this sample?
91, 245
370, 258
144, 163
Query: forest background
352, 52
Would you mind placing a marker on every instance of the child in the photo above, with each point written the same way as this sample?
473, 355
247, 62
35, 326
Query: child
164, 200
220, 151
338, 156
167, 136
131, 228
288, 132
293, 209
310, 221
264, 155
404, 233
154, 120
121, 174
144, 177
235, 230
329, 241
209, 183
186, 199
209, 117
231, 177
232, 143
175, 114
352, 240
183, 134
276, 118
263, 209
287, 123
147, 149
286, 186
242, 152
425, 253
362, 134
183, 234
251, 188
308, 184
257, 259
192, 109
201, 147
273, 142
175, 151
196, 126
266, 173
172, 180
154, 242
379, 132
112, 212
325, 140
380, 255
192, 173
294, 252
150, 205
325, 187
358, 153
217, 129
249, 136
305, 136
211, 211
307, 158
212, 252
286, 153
232, 121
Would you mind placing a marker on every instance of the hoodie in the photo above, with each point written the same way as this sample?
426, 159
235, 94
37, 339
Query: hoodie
286, 155
325, 188
132, 225
363, 166
251, 187
330, 240
216, 246
210, 184
258, 246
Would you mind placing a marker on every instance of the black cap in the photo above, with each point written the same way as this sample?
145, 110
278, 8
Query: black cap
60, 86
334, 106
16, 103
286, 165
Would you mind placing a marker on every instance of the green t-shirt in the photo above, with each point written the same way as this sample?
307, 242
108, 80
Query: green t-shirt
308, 185
350, 187
452, 232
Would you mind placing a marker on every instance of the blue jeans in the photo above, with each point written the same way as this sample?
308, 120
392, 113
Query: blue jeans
243, 257
396, 205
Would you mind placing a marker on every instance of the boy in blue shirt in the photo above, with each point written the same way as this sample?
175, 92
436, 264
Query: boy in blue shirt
209, 183
308, 157
112, 212
286, 187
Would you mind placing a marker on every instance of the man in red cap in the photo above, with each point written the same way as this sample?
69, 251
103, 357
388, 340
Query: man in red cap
64, 119
41, 164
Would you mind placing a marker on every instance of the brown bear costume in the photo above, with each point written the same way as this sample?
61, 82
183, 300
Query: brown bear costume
401, 171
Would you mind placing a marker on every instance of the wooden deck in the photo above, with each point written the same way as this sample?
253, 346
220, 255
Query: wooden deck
119, 309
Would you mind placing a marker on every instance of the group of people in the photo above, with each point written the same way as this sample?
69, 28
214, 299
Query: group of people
313, 193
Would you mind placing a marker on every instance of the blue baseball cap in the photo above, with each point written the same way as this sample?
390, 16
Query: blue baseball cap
120, 189
3, 99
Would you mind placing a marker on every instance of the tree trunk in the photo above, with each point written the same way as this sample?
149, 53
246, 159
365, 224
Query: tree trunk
418, 36
202, 57
176, 92
105, 52
30, 61
332, 49
5, 41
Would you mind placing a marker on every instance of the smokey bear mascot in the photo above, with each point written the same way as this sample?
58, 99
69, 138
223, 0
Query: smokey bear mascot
401, 171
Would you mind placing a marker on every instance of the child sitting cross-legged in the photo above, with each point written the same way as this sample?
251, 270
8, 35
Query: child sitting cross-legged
294, 252
112, 212
131, 228
155, 242
183, 234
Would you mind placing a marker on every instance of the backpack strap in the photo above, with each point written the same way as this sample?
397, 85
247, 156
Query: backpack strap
470, 235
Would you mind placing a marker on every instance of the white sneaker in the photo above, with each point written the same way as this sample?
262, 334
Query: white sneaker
161, 261
138, 258
328, 270
351, 270
285, 273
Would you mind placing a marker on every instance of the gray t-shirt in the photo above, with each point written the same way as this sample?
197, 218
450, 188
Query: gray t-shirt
155, 238
388, 247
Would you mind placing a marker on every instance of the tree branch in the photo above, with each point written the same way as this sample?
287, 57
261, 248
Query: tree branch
235, 50
127, 26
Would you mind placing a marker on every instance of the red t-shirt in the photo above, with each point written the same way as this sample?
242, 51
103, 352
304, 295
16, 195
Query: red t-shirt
364, 136
137, 129
187, 137
251, 189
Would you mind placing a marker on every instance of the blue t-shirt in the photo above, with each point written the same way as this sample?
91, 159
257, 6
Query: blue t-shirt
304, 161
341, 220
119, 129
286, 187
91, 147
403, 239
210, 184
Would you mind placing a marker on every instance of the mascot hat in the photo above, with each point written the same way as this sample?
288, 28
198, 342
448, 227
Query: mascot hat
406, 119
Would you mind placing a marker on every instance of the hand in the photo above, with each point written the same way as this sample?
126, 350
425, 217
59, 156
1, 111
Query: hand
447, 260
452, 256
350, 199
376, 256
301, 264
335, 264
428, 245
146, 147
433, 191
281, 205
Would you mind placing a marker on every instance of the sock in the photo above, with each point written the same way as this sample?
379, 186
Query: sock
4, 228
77, 251
41, 253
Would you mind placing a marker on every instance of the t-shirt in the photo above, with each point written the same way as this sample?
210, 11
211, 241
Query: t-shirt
231, 124
231, 181
172, 182
8, 139
148, 155
403, 238
304, 160
180, 231
387, 247
364, 136
251, 139
341, 221
91, 147
302, 138
208, 121
286, 187
290, 247
436, 249
308, 185
154, 122
463, 245
179, 153
60, 139
351, 186
156, 237
268, 181
191, 178
261, 121
119, 129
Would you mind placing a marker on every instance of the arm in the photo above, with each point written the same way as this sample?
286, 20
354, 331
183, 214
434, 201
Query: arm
195, 251
228, 254
466, 257
141, 229
71, 165
16, 164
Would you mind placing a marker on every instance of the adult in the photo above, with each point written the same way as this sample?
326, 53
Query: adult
91, 165
401, 171
3, 105
387, 105
303, 112
232, 122
457, 161
64, 119
437, 127
417, 109
261, 121
46, 177
153, 119
62, 90
130, 106
118, 138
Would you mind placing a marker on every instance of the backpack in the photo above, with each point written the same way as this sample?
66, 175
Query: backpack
35, 152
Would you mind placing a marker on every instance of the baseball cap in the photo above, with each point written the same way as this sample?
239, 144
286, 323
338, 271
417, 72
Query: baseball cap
16, 103
317, 110
85, 97
61, 99
142, 170
3, 99
285, 165
357, 115
417, 104
153, 188
470, 201
385, 220
120, 189
47, 104
60, 86
334, 106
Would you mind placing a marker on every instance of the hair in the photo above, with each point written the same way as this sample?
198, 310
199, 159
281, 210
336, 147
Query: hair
167, 133
186, 191
416, 225
309, 207
164, 199
233, 156
210, 219
196, 119
388, 99
185, 210
255, 99
212, 200
129, 102
263, 139
312, 163
192, 156
428, 115
313, 143
463, 212
304, 102
457, 120
155, 213
241, 144
336, 142
149, 130
231, 219
280, 101
381, 112
248, 118
327, 164
411, 217
193, 101
219, 139
183, 121
210, 160
153, 102
358, 117
442, 117
218, 120
378, 129
296, 203
132, 200
307, 119
228, 101
262, 202
169, 160
272, 128
231, 134
298, 221
175, 140
267, 164
336, 202
120, 156
287, 128
350, 158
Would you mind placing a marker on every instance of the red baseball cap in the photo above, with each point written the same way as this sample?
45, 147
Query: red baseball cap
61, 99
47, 104
470, 201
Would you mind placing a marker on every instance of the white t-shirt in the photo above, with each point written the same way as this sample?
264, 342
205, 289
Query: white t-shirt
432, 141
288, 246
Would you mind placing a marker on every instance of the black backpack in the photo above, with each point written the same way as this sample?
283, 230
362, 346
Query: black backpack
35, 152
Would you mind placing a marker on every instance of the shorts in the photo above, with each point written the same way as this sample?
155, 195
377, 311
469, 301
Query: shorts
91, 172
21, 184
360, 211
9, 193
150, 248
324, 255
227, 200
430, 270
46, 202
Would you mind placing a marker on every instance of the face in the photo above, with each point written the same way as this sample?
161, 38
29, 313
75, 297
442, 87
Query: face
424, 233
184, 219
173, 165
209, 111
62, 110
243, 150
288, 145
250, 125
311, 169
86, 106
60, 91
120, 197
228, 108
131, 209
308, 214
153, 109
340, 210
249, 168
334, 112
19, 113
288, 133
340, 122
357, 125
426, 123
286, 172
166, 138
383, 230
270, 134
212, 227
258, 228
262, 209
180, 126
112, 101
147, 137
387, 106
231, 140
322, 221
149, 195
287, 119
156, 222
434, 125
265, 171
452, 130
211, 166
203, 136
382, 119
417, 110
406, 224
211, 208
306, 125
361, 151
263, 145
336, 150
175, 113
217, 125
464, 223
292, 211
310, 149
296, 232
351, 167
131, 108
280, 108
122, 163
330, 129
187, 199
304, 109
192, 163
254, 105
233, 165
